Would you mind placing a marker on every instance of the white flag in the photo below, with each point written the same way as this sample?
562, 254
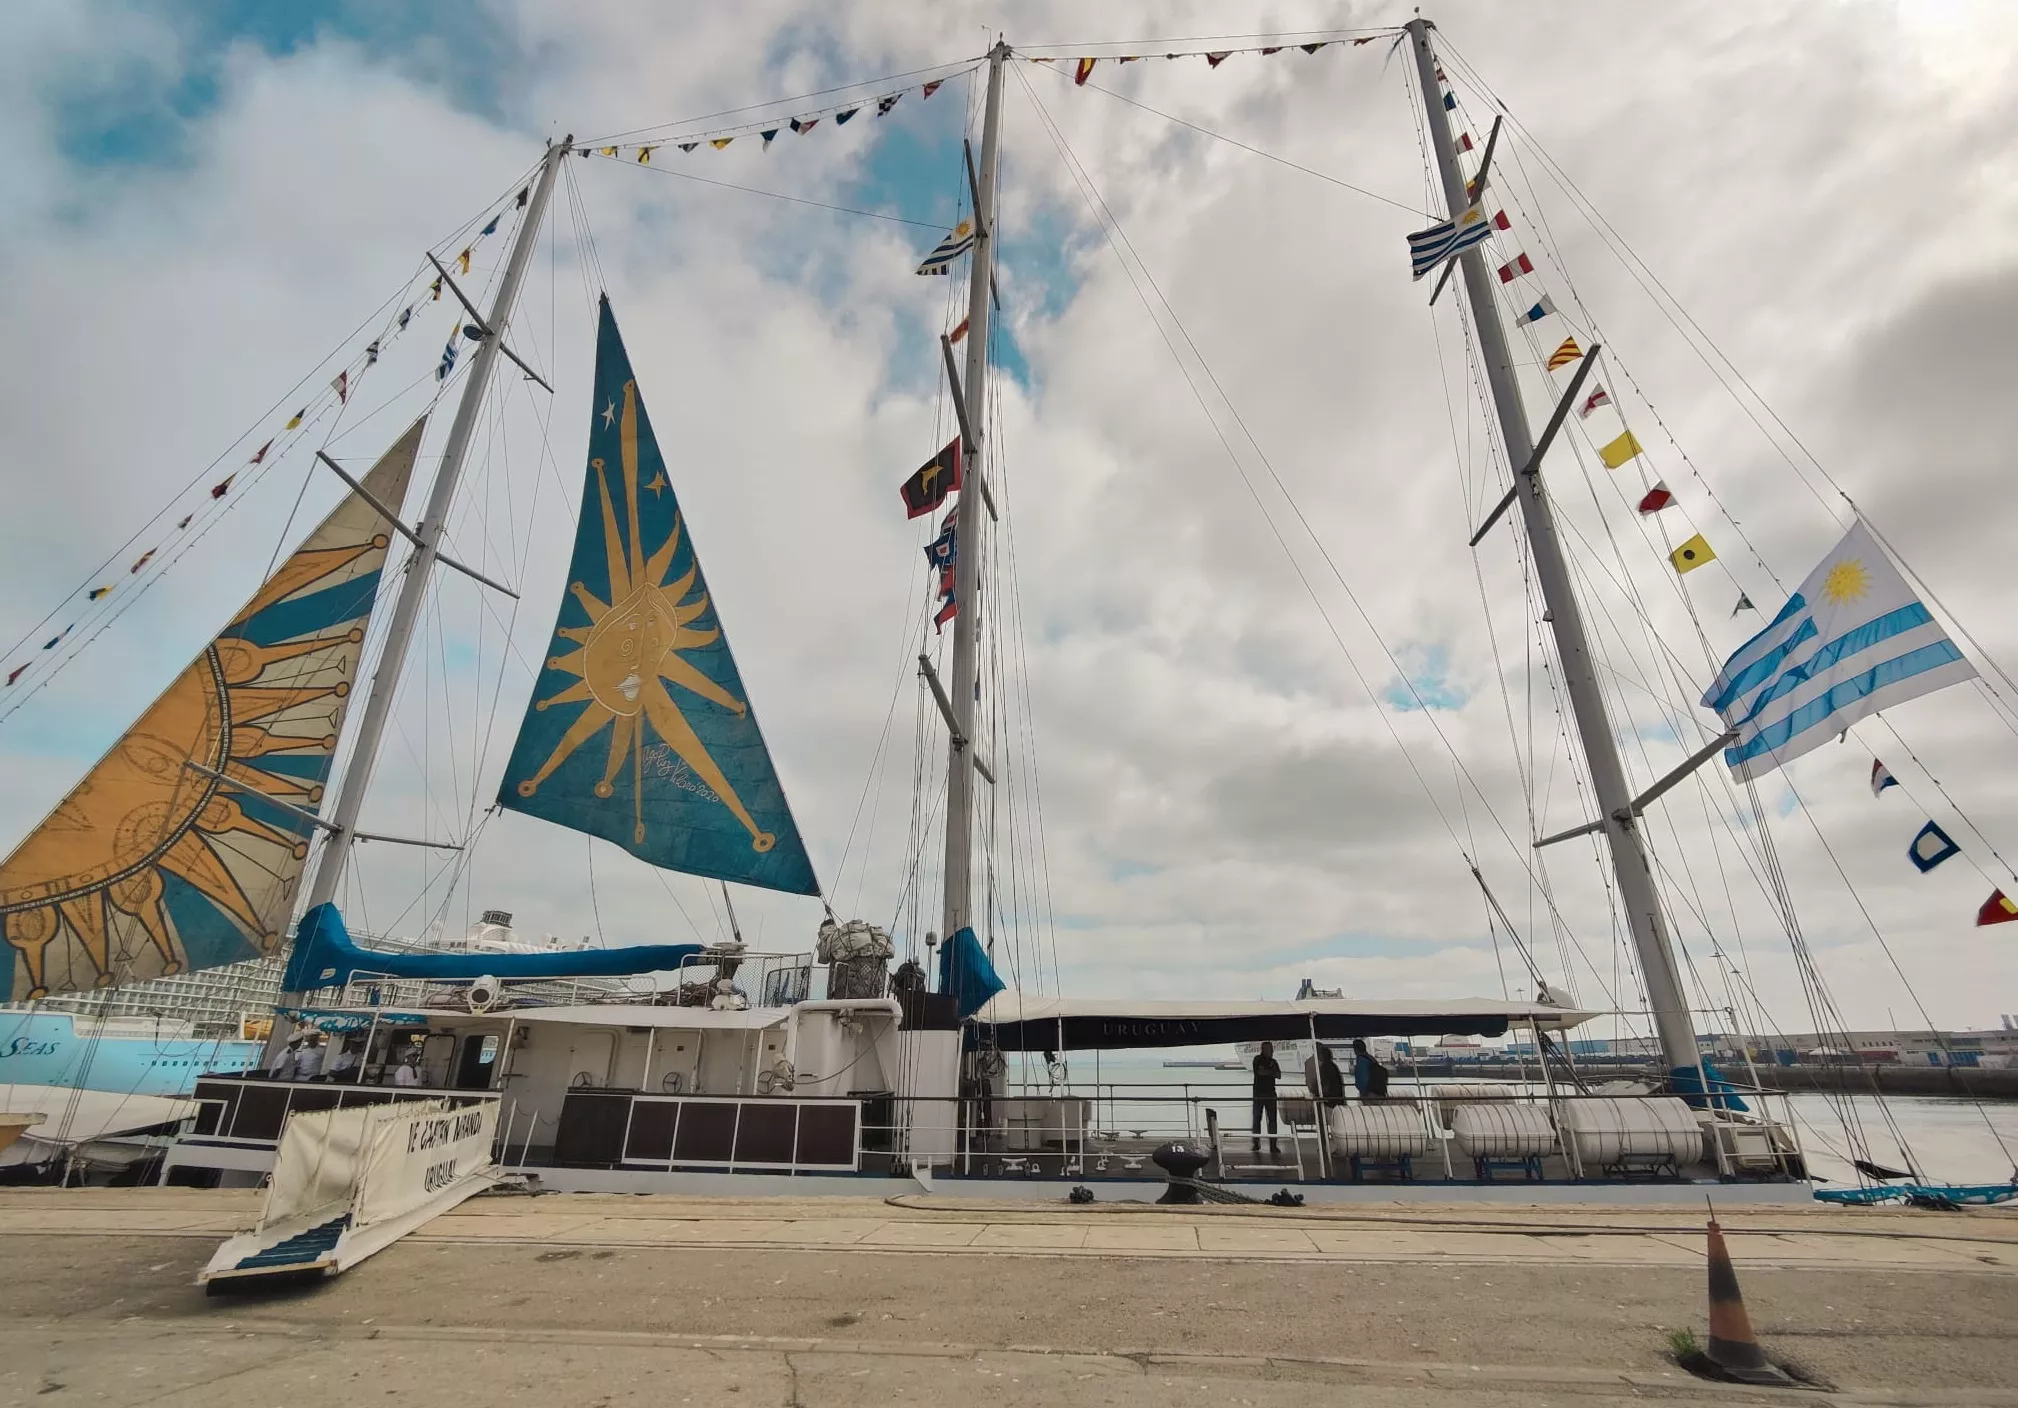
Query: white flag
1853, 639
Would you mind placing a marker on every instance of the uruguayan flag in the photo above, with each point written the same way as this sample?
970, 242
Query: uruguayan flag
1851, 641
940, 260
1429, 248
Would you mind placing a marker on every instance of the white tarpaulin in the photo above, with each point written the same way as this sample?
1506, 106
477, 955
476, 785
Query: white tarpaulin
315, 1169
421, 1151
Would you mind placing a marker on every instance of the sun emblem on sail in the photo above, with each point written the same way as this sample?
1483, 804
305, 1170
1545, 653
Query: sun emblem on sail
631, 649
1846, 581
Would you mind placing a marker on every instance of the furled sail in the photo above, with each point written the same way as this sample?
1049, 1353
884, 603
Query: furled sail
640, 730
172, 854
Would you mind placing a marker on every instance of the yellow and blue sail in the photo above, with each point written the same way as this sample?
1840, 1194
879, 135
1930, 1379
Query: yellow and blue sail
181, 849
640, 730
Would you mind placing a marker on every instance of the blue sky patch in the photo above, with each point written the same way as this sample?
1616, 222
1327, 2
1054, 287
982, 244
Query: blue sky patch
1427, 669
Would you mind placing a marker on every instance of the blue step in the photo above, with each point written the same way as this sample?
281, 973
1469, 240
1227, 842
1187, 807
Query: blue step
302, 1249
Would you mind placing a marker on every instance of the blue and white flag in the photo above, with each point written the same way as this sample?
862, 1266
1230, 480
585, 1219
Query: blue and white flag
1931, 847
1429, 248
1535, 314
940, 260
1853, 639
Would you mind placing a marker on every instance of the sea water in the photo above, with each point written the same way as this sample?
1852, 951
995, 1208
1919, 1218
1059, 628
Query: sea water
1948, 1139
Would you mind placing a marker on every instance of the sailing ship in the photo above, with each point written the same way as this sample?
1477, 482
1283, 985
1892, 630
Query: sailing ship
679, 1066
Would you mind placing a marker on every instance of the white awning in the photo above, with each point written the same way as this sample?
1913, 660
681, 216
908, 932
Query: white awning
1020, 1022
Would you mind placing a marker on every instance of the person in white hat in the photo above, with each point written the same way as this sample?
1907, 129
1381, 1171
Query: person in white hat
308, 1060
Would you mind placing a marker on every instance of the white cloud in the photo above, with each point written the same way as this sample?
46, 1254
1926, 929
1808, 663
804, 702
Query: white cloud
1224, 807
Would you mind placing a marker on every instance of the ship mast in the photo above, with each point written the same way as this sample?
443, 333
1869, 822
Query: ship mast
961, 761
342, 820
1618, 821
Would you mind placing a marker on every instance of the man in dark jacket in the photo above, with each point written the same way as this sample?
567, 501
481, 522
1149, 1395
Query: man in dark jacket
1367, 1073
1330, 1080
1266, 1073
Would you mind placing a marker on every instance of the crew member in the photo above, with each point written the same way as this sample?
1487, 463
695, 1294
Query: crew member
1368, 1075
1267, 1071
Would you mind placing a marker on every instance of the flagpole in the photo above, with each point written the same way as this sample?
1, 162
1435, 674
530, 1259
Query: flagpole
1630, 867
960, 761
427, 546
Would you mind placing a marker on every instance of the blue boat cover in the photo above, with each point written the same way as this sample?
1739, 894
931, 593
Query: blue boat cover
325, 957
966, 973
1950, 1194
1687, 1083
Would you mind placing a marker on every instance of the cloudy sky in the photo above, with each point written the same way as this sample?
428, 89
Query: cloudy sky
1272, 700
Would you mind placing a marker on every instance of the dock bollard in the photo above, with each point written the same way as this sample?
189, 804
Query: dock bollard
1733, 1350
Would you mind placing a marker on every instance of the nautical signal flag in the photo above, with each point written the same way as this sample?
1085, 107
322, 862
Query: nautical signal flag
217, 491
884, 104
1450, 102
491, 228
1593, 401
645, 155
1464, 141
294, 421
141, 561
1619, 451
930, 88
770, 135
1881, 777
1931, 847
944, 550
99, 593
1565, 354
341, 386
187, 516
1515, 267
15, 673
720, 142
805, 124
1215, 60
1692, 554
1744, 604
959, 332
842, 116
1083, 72
946, 613
463, 258
1657, 498
940, 260
1543, 307
260, 453
935, 479
1998, 909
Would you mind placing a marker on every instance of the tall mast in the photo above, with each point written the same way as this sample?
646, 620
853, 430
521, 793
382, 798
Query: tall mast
413, 586
1608, 775
959, 911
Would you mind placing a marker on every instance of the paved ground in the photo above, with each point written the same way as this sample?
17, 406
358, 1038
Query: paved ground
615, 1300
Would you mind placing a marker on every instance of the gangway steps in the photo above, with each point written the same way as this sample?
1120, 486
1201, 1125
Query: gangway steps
302, 1249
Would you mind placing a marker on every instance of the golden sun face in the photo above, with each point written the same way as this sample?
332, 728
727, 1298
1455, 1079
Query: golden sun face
1846, 581
631, 649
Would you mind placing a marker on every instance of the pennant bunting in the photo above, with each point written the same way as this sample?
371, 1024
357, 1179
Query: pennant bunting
57, 639
1276, 50
930, 88
1565, 354
1474, 186
1127, 58
1998, 909
946, 613
1619, 451
405, 317
371, 354
1500, 222
1215, 60
688, 146
606, 151
447, 360
341, 386
217, 491
98, 593
491, 228
1514, 268
1594, 400
645, 155
1744, 604
942, 551
1657, 498
1313, 48
720, 142
1881, 778
805, 124
883, 105
187, 516
141, 561
770, 135
1692, 554
959, 332
1450, 102
294, 421
435, 289
841, 117
260, 453
1463, 142
525, 193
1083, 72
1429, 248
1931, 847
1541, 310
463, 258
940, 260
15, 673
1043, 61
934, 480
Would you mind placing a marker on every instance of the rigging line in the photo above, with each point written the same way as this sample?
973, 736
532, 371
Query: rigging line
1953, 619
1287, 38
957, 66
1257, 151
1111, 228
796, 200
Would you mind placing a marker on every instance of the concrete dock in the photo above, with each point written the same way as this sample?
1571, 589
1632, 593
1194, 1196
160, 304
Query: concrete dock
813, 1302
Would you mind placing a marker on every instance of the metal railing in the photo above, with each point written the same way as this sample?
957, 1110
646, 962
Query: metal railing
757, 979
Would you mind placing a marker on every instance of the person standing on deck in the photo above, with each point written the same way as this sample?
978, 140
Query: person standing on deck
308, 1060
1330, 1079
1266, 1073
1368, 1075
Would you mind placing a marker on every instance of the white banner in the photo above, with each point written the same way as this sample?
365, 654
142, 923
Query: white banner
420, 1150
316, 1166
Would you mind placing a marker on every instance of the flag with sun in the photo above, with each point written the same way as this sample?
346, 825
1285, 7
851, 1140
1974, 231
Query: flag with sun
182, 848
640, 731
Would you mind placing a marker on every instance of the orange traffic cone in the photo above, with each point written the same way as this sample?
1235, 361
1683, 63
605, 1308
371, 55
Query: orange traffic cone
1732, 1348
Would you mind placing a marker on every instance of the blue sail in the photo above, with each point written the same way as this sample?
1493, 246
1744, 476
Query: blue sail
640, 730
